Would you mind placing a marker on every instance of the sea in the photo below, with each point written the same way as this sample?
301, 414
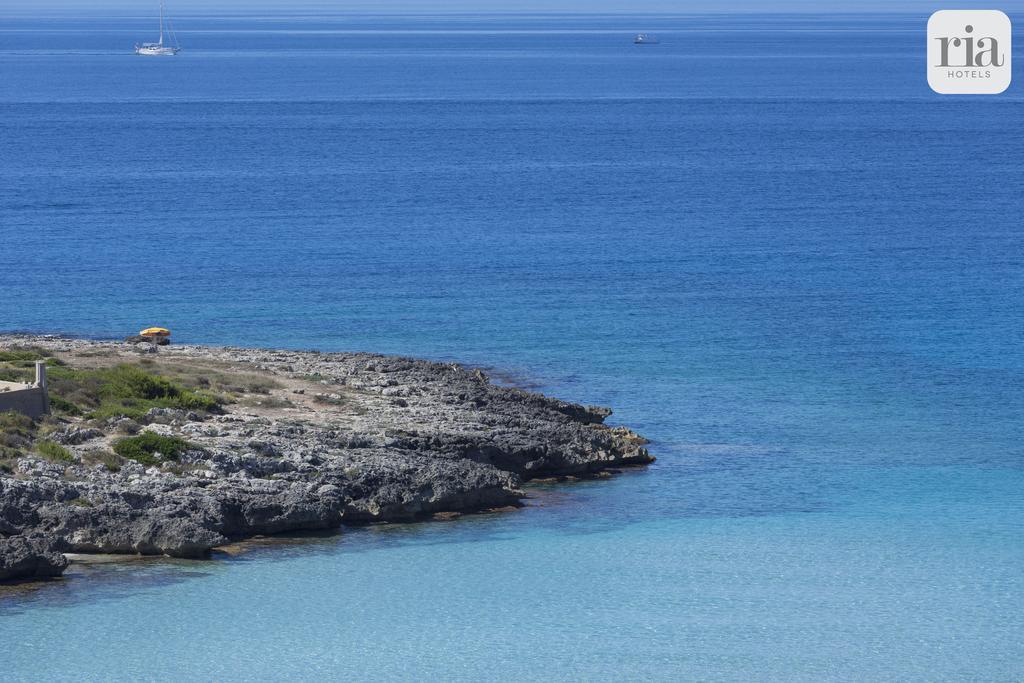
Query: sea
764, 242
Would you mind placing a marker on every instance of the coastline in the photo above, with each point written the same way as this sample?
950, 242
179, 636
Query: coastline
297, 441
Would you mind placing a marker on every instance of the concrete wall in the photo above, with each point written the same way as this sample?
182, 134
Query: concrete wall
31, 401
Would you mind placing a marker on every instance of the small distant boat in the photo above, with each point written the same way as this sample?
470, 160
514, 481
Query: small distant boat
644, 39
158, 48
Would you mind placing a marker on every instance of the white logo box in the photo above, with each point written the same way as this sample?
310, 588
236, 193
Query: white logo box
969, 52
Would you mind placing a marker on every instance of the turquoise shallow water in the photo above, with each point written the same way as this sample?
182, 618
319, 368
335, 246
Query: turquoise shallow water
573, 589
764, 242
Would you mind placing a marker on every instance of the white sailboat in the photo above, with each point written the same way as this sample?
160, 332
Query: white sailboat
158, 48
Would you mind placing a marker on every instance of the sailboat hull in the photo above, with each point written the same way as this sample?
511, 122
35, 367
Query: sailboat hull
156, 51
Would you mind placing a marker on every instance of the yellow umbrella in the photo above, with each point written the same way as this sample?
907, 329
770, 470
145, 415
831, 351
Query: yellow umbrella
155, 332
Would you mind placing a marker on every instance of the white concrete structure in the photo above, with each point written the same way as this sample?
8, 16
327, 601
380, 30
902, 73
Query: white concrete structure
30, 399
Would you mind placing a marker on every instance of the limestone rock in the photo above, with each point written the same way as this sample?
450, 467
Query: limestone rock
29, 557
363, 438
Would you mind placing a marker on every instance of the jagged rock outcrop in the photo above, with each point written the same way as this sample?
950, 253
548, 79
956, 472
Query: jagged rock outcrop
339, 437
29, 557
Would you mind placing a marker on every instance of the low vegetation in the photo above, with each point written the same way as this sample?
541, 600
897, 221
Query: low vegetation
330, 399
17, 364
98, 456
124, 390
266, 401
213, 377
17, 432
99, 393
102, 386
54, 452
150, 448
19, 355
26, 356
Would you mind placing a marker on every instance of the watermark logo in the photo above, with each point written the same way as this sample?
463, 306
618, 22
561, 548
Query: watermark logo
969, 52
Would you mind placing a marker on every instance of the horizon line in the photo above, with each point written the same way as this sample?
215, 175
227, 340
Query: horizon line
119, 12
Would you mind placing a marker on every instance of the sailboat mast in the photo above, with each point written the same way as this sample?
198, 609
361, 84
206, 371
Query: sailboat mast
161, 22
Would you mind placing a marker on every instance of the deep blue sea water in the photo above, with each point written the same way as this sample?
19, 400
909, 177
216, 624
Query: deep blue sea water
764, 242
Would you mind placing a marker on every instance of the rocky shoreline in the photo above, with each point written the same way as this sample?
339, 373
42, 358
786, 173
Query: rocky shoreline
315, 441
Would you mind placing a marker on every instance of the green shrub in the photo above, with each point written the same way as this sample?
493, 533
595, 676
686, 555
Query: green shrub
62, 405
128, 426
126, 382
16, 434
17, 375
16, 423
54, 452
21, 355
150, 448
249, 383
26, 356
330, 399
111, 461
124, 390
